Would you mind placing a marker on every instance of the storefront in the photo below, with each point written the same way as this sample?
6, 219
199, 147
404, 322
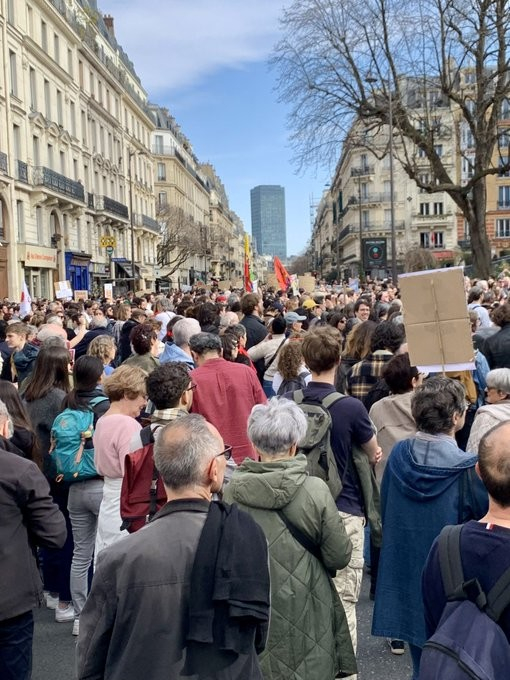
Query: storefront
77, 270
40, 268
100, 274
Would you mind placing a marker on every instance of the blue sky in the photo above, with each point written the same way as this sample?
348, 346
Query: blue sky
206, 61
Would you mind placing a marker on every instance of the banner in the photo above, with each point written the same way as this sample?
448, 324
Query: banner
281, 273
25, 306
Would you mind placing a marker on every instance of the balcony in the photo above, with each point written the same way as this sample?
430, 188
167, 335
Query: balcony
22, 171
362, 170
346, 231
109, 205
382, 226
58, 183
90, 200
376, 198
147, 222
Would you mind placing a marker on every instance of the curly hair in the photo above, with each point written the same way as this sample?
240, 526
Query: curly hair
290, 360
166, 384
142, 337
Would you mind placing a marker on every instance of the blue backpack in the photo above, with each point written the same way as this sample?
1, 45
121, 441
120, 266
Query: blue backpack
468, 642
71, 443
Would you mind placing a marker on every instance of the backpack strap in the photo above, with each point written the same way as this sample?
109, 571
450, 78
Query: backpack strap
498, 597
153, 492
97, 400
450, 560
298, 396
331, 399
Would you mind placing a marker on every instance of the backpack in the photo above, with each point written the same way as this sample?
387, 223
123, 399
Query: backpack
143, 493
71, 443
468, 642
316, 444
293, 384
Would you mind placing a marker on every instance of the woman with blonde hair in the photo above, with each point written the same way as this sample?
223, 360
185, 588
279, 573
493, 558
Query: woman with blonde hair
127, 393
104, 348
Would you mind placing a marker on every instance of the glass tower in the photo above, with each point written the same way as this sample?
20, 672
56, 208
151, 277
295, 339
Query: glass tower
268, 226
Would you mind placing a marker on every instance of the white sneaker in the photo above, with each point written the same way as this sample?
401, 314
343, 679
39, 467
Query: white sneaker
51, 602
76, 627
64, 615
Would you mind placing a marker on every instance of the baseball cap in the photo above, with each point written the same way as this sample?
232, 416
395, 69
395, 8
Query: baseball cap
292, 317
309, 304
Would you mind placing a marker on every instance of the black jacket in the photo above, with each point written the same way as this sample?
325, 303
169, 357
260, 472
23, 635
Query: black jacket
30, 518
256, 330
124, 350
81, 348
496, 348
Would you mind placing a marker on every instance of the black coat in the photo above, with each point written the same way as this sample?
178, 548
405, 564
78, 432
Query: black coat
496, 348
30, 518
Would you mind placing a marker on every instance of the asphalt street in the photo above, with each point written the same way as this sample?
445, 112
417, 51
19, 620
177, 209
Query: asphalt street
54, 648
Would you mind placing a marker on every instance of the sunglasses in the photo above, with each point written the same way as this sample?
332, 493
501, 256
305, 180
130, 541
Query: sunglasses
227, 453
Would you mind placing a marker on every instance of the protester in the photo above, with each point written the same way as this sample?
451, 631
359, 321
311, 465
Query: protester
496, 347
496, 410
179, 574
179, 349
144, 341
104, 348
24, 437
267, 351
23, 352
308, 636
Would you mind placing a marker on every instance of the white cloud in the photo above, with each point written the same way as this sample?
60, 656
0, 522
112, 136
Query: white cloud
175, 43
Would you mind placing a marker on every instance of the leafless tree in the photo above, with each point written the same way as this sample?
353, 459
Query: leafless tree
428, 61
181, 238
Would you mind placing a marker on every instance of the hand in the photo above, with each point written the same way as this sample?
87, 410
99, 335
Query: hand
378, 455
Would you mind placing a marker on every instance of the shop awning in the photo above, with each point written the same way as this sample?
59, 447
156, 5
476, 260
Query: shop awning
126, 266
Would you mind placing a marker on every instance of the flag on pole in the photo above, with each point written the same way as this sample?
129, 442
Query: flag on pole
247, 279
25, 306
282, 275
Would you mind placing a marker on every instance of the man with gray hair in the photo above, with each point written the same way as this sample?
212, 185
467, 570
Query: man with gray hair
173, 586
179, 349
226, 392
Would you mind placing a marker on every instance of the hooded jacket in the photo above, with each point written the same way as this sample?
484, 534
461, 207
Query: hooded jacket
486, 418
174, 353
428, 483
308, 634
394, 421
24, 361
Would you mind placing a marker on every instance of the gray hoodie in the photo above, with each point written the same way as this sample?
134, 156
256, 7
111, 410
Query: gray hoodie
486, 418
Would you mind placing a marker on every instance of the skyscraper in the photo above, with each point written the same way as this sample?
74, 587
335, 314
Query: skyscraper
268, 226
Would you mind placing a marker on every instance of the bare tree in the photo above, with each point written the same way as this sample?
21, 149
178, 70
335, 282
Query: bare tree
300, 264
342, 61
181, 238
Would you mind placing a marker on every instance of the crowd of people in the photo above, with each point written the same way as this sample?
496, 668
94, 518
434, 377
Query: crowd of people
292, 445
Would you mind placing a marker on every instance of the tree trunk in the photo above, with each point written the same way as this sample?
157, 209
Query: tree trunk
479, 241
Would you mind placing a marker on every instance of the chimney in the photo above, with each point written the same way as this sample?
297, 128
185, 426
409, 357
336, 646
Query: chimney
108, 20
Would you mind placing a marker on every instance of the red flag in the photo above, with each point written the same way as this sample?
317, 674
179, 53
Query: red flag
281, 273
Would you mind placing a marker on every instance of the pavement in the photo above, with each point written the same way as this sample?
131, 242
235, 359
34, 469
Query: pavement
54, 648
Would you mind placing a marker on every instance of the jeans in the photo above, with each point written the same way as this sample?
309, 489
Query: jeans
84, 501
56, 562
267, 386
16, 647
416, 658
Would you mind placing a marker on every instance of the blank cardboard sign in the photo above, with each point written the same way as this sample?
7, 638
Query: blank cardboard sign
436, 318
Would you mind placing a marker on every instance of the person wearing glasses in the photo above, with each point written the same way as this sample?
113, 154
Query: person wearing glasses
192, 587
309, 635
496, 409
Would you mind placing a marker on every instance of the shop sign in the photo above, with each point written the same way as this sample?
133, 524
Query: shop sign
34, 256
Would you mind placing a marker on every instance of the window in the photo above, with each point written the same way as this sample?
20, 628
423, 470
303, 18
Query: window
10, 11
44, 36
62, 163
30, 15
161, 172
504, 139
83, 127
72, 115
505, 109
503, 228
504, 197
47, 99
70, 62
387, 217
438, 208
50, 156
437, 239
424, 178
60, 112
467, 230
40, 224
504, 171
421, 153
438, 148
20, 222
33, 88
424, 209
35, 150
424, 239
13, 73
365, 218
162, 199
16, 134
158, 144
56, 48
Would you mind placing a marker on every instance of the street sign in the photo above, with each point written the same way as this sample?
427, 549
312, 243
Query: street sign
109, 250
374, 251
108, 242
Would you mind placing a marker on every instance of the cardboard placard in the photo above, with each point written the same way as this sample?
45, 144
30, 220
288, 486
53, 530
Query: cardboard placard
271, 280
308, 283
436, 318
108, 291
81, 295
63, 290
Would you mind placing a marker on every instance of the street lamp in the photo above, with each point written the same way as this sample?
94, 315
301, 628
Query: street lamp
372, 80
132, 152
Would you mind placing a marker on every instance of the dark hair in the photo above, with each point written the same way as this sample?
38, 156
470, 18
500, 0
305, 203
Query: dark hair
321, 348
51, 371
501, 315
362, 301
230, 344
249, 302
237, 329
207, 316
399, 374
87, 371
9, 395
475, 293
335, 318
166, 384
435, 402
142, 337
494, 465
387, 336
278, 326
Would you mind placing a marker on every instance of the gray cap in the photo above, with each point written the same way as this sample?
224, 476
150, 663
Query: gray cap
204, 342
292, 317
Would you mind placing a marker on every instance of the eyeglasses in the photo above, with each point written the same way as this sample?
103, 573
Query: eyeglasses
227, 453
193, 386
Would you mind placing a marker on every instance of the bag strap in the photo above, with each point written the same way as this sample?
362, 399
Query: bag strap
450, 560
300, 537
266, 366
153, 491
498, 597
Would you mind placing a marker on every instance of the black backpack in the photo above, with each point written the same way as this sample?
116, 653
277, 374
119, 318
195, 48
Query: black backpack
293, 384
468, 642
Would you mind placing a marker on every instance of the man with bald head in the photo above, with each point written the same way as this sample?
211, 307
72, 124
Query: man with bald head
188, 595
484, 544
